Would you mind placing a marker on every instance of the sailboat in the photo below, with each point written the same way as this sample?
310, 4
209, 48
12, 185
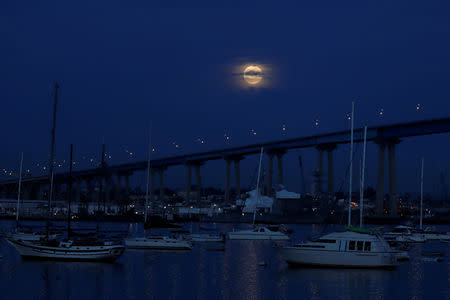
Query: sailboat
50, 248
155, 242
20, 233
258, 232
429, 233
354, 247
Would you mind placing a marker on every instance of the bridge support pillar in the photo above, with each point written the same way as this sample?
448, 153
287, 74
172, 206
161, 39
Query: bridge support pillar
188, 181
319, 170
227, 181
393, 198
161, 184
329, 148
198, 181
26, 192
237, 170
77, 197
270, 175
330, 172
151, 188
280, 154
380, 178
118, 188
107, 199
98, 192
127, 188
88, 191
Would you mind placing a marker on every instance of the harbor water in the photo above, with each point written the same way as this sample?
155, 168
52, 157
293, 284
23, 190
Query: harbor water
241, 270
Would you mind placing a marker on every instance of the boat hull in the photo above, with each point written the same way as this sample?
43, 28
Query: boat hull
257, 236
206, 238
157, 245
328, 258
77, 253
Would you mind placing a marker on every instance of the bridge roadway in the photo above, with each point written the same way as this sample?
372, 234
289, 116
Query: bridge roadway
385, 136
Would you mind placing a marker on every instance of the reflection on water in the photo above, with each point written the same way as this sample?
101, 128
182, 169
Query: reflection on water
231, 274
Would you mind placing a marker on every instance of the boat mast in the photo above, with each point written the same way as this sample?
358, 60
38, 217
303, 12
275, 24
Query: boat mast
20, 186
148, 172
70, 191
421, 195
361, 192
257, 185
351, 170
52, 153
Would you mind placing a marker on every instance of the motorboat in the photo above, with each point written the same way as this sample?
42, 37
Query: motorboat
158, 242
258, 233
431, 234
68, 250
354, 247
205, 238
404, 234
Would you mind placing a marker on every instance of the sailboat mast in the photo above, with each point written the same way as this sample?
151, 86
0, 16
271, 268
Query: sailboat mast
363, 168
69, 212
351, 169
20, 186
421, 195
52, 153
257, 185
148, 172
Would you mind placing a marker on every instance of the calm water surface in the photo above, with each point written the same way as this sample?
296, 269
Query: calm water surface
231, 274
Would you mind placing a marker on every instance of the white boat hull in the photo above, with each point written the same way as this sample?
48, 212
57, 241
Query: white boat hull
205, 238
330, 258
29, 250
157, 244
437, 236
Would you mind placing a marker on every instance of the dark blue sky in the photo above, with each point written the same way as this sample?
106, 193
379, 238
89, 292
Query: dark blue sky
120, 64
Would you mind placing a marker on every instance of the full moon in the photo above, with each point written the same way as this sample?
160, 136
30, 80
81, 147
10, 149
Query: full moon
253, 74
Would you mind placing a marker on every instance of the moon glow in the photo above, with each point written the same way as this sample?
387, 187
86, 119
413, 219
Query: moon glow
253, 74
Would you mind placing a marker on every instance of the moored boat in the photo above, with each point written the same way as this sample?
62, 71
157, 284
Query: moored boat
205, 238
158, 242
258, 233
68, 250
354, 248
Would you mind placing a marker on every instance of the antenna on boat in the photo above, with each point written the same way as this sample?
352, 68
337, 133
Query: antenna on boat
351, 169
70, 192
257, 185
421, 194
148, 171
361, 192
20, 186
52, 153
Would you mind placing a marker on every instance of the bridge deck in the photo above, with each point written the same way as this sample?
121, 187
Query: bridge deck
375, 133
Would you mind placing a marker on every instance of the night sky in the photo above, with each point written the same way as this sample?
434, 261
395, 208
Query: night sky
122, 63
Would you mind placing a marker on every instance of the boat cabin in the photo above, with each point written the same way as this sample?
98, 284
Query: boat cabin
347, 241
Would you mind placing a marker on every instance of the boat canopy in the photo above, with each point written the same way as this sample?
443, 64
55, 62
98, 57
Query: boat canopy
359, 230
